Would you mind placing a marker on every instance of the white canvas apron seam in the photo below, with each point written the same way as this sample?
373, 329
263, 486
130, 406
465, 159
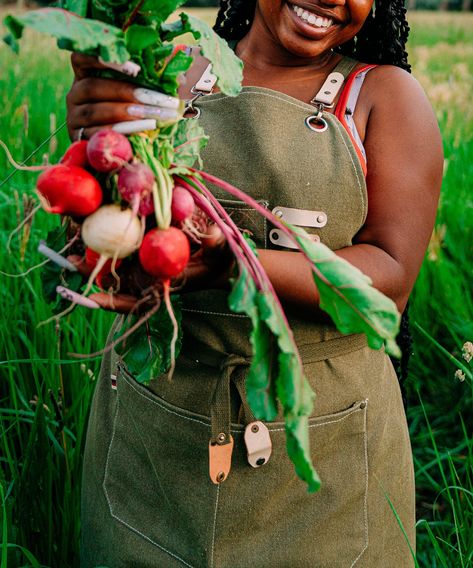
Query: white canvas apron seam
365, 503
228, 314
135, 530
314, 425
356, 174
164, 408
258, 94
214, 528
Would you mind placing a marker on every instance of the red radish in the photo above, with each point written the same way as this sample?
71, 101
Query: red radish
113, 233
91, 260
164, 253
69, 190
108, 150
76, 155
135, 184
182, 205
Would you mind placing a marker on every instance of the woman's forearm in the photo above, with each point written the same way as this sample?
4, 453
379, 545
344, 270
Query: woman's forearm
292, 277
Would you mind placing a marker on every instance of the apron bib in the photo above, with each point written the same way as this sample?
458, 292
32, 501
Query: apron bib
147, 498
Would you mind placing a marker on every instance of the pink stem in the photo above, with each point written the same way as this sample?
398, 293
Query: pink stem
266, 282
207, 208
257, 268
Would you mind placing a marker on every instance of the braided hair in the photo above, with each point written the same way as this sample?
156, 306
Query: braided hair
382, 40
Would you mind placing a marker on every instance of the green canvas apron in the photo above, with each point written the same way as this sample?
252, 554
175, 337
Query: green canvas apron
148, 500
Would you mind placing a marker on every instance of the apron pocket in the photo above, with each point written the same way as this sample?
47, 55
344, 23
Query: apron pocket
285, 526
156, 479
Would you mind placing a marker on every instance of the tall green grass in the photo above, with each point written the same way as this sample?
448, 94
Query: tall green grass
45, 393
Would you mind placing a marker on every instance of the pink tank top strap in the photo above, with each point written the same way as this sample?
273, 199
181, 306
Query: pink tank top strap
346, 107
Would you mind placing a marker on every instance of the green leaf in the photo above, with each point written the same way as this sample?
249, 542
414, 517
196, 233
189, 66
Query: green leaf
276, 368
259, 383
147, 353
347, 295
173, 69
143, 356
160, 10
188, 141
138, 38
72, 32
225, 64
79, 7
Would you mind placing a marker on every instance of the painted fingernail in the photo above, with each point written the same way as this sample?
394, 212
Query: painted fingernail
77, 298
55, 257
142, 111
133, 126
155, 98
128, 68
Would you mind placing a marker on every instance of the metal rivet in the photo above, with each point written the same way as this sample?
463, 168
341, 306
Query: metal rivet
255, 428
321, 218
278, 213
326, 92
260, 461
333, 81
220, 476
363, 405
221, 437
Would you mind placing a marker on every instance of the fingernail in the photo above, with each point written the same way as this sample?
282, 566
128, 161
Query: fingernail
77, 298
133, 126
55, 257
155, 98
128, 68
141, 111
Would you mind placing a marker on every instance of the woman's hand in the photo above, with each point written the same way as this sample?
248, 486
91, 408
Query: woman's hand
94, 103
210, 267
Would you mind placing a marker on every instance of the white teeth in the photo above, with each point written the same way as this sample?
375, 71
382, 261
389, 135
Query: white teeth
312, 19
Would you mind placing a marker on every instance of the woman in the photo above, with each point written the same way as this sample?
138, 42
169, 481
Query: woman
355, 157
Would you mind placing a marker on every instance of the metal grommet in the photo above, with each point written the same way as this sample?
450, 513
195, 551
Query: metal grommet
221, 438
192, 109
255, 428
220, 477
319, 120
363, 405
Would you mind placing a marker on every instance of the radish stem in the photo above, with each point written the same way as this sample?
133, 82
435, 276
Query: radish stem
175, 327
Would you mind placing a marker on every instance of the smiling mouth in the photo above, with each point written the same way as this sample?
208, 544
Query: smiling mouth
310, 18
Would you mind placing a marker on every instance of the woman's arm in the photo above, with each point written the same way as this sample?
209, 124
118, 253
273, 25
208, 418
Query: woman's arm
405, 161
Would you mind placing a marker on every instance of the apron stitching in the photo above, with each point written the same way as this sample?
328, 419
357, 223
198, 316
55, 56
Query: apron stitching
135, 530
363, 200
365, 504
164, 408
315, 425
307, 108
178, 558
214, 313
214, 528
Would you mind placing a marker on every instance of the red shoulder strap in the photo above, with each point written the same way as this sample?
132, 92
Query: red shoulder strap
342, 106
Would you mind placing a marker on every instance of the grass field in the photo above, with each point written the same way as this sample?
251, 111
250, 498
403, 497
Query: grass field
45, 395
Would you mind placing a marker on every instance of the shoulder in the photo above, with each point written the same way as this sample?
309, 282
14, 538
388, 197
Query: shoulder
388, 86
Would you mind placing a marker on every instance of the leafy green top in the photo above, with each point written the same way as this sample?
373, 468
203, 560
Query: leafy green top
117, 32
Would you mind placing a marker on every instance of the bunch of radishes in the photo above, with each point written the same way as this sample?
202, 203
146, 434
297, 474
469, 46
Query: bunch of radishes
114, 194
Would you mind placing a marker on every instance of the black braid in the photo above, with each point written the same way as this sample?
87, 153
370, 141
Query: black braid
234, 18
382, 39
